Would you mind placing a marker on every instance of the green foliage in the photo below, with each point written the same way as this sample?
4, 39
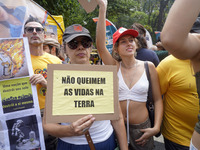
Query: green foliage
140, 17
123, 13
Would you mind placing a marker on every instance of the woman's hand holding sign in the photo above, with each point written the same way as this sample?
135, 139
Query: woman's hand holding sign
80, 126
76, 128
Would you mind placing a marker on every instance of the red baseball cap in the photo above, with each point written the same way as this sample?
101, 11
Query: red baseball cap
123, 31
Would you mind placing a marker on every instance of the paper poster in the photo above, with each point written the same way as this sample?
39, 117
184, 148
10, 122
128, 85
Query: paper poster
12, 59
20, 123
79, 90
16, 95
23, 133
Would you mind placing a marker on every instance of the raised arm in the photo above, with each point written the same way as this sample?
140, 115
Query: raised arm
101, 34
175, 34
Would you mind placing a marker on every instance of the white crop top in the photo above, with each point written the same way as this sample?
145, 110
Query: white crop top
137, 93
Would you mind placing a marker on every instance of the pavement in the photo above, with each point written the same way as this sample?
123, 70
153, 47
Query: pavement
159, 143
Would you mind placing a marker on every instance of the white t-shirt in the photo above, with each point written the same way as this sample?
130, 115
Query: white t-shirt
99, 131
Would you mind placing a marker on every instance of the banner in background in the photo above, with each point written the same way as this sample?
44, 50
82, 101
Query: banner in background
157, 35
54, 28
149, 39
110, 30
15, 13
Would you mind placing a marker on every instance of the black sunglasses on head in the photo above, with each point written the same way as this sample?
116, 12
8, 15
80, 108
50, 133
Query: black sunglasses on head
31, 29
73, 44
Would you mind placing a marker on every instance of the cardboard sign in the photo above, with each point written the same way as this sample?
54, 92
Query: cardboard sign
74, 91
88, 5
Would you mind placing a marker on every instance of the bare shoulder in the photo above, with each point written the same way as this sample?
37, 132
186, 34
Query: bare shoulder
141, 63
151, 65
152, 69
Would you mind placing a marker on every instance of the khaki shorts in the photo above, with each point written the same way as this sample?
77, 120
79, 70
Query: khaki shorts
134, 132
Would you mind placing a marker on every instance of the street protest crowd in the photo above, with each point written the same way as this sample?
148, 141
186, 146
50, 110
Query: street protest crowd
170, 70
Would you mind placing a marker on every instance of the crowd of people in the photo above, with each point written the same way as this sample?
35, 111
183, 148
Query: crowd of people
174, 88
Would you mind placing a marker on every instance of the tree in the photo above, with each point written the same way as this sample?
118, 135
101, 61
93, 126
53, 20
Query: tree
123, 13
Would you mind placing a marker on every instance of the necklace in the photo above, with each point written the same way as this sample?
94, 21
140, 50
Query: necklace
134, 65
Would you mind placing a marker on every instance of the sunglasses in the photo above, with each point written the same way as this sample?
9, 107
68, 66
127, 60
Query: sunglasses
86, 43
37, 29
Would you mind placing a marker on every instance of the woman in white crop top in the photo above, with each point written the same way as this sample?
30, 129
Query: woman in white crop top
133, 83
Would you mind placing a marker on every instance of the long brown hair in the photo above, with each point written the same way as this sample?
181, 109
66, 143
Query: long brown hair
142, 43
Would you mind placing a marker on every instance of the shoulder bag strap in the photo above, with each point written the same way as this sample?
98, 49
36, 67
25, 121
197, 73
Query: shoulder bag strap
89, 140
150, 96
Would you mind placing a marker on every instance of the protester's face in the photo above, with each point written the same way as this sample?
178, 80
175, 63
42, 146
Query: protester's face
79, 50
126, 45
46, 48
35, 33
50, 49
